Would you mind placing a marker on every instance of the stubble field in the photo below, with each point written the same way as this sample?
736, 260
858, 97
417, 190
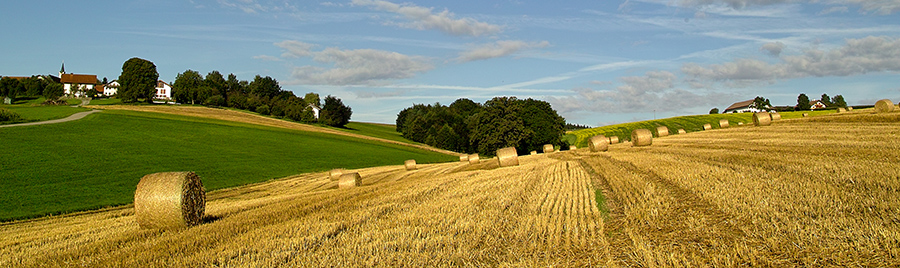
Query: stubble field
821, 191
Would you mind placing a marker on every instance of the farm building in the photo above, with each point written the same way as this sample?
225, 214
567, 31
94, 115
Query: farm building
816, 104
163, 90
110, 88
315, 110
76, 84
742, 107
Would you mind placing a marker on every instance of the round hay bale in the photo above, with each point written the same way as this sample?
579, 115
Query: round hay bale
410, 164
841, 110
849, 108
573, 147
884, 106
474, 159
775, 116
349, 180
533, 153
723, 123
805, 114
335, 174
508, 157
707, 126
662, 131
641, 137
740, 123
598, 143
169, 200
761, 119
681, 131
548, 148
613, 139
463, 158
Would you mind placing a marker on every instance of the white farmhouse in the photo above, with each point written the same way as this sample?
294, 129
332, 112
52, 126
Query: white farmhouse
163, 90
315, 110
743, 107
111, 88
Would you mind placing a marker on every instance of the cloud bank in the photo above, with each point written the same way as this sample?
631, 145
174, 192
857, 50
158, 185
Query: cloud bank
423, 18
498, 49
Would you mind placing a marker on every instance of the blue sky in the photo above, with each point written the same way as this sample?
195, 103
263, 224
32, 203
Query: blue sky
596, 62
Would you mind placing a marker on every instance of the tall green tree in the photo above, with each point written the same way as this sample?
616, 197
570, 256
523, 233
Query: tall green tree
714, 110
542, 123
803, 102
216, 81
53, 91
186, 86
34, 86
9, 87
761, 103
266, 87
826, 100
839, 101
138, 80
334, 112
312, 98
497, 125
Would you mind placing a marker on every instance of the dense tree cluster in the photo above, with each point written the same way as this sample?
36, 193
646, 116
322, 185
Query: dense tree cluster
830, 102
466, 126
34, 86
262, 95
572, 127
138, 80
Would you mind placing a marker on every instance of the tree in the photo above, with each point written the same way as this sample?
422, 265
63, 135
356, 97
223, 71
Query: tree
186, 85
803, 102
543, 125
265, 87
761, 103
839, 101
138, 80
714, 110
498, 125
9, 87
34, 86
312, 98
826, 100
53, 91
334, 112
215, 81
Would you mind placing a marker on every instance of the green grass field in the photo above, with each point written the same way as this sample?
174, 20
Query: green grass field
388, 132
31, 110
113, 101
98, 161
689, 123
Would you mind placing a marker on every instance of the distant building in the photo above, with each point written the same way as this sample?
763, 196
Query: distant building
163, 90
315, 110
816, 104
76, 84
111, 88
744, 107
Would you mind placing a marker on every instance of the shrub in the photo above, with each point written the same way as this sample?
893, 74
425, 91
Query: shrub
9, 116
263, 109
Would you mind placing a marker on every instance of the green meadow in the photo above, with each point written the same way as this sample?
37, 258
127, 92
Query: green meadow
689, 123
97, 161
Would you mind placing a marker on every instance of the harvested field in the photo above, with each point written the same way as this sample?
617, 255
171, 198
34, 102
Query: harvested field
734, 197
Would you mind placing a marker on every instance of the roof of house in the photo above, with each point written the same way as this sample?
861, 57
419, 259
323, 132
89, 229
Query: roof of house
78, 79
814, 102
741, 104
161, 84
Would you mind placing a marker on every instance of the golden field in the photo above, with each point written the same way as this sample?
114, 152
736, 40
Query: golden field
820, 191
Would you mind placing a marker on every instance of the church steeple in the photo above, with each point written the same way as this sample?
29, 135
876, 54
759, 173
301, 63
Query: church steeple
62, 69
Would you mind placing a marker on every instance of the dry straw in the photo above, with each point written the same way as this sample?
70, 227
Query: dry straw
598, 143
641, 137
884, 106
335, 174
841, 110
508, 157
410, 164
548, 148
350, 180
169, 200
662, 131
723, 123
463, 158
761, 119
775, 116
474, 159
681, 131
707, 126
613, 139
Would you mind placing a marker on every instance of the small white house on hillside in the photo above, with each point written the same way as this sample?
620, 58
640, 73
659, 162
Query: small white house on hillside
315, 110
163, 90
742, 107
111, 88
816, 104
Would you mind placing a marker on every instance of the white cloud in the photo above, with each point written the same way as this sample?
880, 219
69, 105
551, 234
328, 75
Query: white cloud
881, 7
423, 18
295, 49
834, 10
857, 56
498, 49
360, 67
773, 48
266, 58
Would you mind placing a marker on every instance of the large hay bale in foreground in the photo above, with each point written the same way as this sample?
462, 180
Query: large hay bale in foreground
707, 126
662, 131
410, 164
335, 174
474, 159
349, 180
463, 158
598, 143
681, 131
723, 123
884, 106
169, 200
775, 116
761, 119
508, 157
614, 140
641, 137
548, 148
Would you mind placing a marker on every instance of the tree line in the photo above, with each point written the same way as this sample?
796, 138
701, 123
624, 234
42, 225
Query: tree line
836, 102
34, 86
470, 127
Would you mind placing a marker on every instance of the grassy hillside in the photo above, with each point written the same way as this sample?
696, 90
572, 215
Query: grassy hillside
383, 131
97, 161
817, 192
32, 110
690, 123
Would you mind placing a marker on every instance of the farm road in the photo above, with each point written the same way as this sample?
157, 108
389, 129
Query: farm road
67, 119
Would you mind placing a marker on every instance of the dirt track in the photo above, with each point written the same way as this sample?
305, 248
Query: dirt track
230, 115
67, 119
